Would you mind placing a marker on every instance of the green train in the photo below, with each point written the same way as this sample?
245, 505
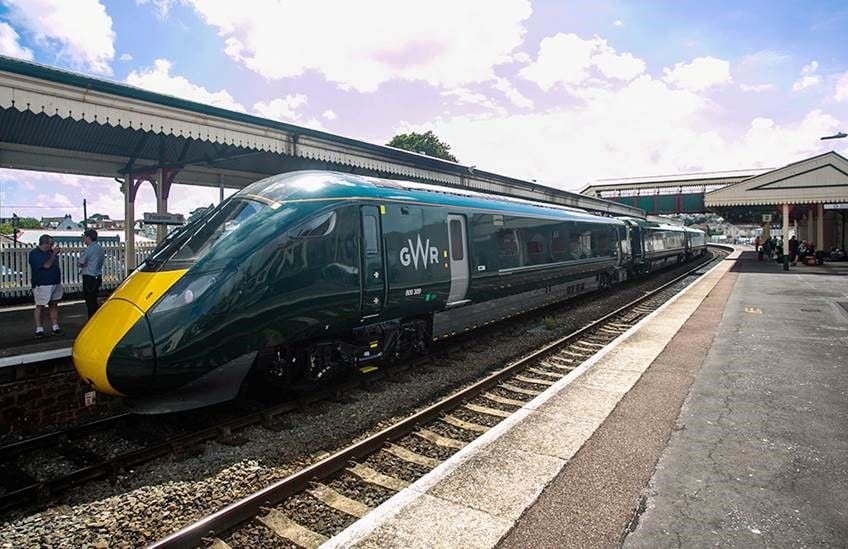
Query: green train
305, 275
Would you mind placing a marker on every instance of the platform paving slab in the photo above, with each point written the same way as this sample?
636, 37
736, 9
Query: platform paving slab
500, 474
17, 329
761, 457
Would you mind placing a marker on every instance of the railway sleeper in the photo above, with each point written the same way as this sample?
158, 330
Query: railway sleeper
337, 501
534, 380
410, 456
462, 424
371, 476
439, 440
557, 376
520, 390
289, 530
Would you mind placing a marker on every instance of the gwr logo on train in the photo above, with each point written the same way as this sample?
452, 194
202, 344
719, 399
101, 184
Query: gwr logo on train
419, 253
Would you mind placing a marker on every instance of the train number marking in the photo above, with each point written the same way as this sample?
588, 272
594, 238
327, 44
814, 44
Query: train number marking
413, 292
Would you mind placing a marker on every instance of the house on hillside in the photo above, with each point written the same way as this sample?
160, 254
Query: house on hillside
60, 223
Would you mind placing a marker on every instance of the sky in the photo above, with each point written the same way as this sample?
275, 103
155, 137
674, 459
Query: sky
563, 92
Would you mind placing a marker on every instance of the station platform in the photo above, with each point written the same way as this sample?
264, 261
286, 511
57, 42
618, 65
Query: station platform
717, 420
18, 344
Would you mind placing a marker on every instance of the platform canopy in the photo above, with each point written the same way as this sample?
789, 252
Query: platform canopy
818, 180
811, 195
666, 194
58, 121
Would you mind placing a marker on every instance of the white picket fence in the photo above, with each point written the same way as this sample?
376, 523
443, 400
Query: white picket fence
15, 273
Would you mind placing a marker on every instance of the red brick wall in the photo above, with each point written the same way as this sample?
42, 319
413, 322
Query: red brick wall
29, 404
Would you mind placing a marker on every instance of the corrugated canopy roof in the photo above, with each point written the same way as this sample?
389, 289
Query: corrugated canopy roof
55, 120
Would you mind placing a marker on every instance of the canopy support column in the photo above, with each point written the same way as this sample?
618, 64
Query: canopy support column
819, 226
220, 188
785, 216
130, 189
164, 180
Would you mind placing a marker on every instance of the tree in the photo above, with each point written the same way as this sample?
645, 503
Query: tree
424, 143
197, 212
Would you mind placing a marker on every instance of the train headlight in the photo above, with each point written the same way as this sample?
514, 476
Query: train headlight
185, 292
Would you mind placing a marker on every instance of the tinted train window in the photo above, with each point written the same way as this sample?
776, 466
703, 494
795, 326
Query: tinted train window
371, 235
212, 231
456, 240
321, 225
535, 247
507, 243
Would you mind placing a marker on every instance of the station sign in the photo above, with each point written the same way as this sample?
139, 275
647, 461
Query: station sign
163, 219
766, 218
841, 206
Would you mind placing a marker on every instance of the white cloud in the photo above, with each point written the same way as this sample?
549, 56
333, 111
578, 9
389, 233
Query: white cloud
672, 130
125, 57
756, 87
842, 88
764, 59
283, 109
568, 60
450, 44
329, 115
515, 97
158, 78
161, 6
80, 31
618, 23
9, 43
702, 73
465, 96
807, 81
809, 78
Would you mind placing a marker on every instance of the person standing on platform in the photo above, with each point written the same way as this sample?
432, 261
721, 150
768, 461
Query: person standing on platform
757, 245
793, 250
91, 262
46, 283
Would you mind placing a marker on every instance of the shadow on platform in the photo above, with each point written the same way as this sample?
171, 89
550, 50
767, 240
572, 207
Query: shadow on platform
748, 263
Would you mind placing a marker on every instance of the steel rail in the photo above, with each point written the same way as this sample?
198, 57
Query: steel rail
240, 511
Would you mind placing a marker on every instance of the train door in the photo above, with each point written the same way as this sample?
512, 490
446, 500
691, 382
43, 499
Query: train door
458, 259
373, 275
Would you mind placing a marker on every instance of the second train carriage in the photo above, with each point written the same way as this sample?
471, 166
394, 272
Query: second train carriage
304, 274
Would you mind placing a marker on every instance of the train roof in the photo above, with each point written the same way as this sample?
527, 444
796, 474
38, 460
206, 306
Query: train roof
328, 185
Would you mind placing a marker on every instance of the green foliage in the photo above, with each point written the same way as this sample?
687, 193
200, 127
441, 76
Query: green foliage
424, 143
5, 228
29, 223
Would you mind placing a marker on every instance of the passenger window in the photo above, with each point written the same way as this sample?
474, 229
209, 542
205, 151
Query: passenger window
507, 243
370, 235
317, 227
456, 240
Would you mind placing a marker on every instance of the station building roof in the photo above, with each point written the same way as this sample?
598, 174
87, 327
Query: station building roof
60, 121
818, 180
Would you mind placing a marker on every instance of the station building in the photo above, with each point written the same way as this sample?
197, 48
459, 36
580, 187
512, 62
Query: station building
808, 198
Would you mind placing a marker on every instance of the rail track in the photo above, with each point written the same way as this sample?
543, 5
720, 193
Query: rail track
312, 505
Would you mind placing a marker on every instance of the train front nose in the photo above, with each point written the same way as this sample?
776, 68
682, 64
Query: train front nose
114, 353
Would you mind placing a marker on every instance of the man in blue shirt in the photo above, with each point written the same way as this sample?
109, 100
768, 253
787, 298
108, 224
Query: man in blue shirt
91, 262
46, 282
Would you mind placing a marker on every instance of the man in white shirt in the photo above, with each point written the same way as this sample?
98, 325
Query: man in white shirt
91, 262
